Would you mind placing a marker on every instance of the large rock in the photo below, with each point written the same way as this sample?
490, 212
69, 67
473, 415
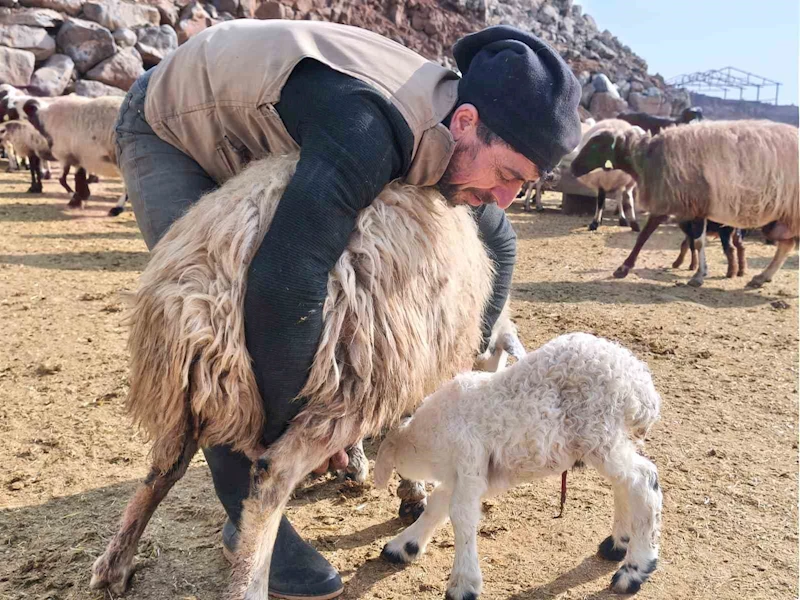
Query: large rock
194, 19
71, 7
155, 43
548, 14
125, 38
85, 42
273, 10
653, 105
33, 17
606, 106
95, 89
602, 83
32, 39
114, 14
121, 70
601, 49
16, 66
167, 9
230, 6
53, 77
586, 94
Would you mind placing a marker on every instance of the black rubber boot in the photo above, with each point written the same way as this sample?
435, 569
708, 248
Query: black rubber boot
298, 571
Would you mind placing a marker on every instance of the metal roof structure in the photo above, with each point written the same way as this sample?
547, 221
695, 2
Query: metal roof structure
725, 80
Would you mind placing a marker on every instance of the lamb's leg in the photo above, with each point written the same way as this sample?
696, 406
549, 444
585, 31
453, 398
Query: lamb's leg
46, 170
357, 465
63, 179
13, 164
413, 500
598, 211
539, 184
275, 476
526, 204
114, 567
781, 252
465, 513
652, 224
739, 245
639, 477
412, 542
725, 233
120, 206
81, 189
702, 270
628, 216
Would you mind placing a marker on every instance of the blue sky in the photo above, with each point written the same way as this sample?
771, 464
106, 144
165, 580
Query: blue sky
684, 36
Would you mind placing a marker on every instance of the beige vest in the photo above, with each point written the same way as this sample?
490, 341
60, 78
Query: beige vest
213, 97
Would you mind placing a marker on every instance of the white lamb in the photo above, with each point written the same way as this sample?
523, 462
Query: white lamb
577, 398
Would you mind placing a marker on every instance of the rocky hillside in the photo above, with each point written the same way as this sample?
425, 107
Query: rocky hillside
99, 47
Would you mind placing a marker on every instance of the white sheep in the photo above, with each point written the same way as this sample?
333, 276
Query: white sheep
80, 133
578, 398
738, 173
403, 314
26, 141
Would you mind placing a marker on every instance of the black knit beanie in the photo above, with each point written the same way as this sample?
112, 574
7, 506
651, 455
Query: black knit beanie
523, 90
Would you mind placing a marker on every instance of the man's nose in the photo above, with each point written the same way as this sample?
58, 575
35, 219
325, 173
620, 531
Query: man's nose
505, 194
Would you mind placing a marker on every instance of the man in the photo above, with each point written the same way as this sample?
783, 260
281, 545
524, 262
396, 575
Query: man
363, 111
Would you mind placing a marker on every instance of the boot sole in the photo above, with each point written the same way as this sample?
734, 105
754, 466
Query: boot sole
229, 556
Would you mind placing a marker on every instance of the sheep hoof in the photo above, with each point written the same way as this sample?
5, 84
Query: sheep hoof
92, 179
608, 550
75, 202
411, 511
622, 272
635, 227
623, 222
593, 226
47, 175
396, 557
463, 588
695, 282
36, 188
540, 209
106, 574
756, 282
117, 210
468, 596
677, 264
629, 578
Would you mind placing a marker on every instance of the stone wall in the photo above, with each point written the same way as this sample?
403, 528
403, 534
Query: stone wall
96, 47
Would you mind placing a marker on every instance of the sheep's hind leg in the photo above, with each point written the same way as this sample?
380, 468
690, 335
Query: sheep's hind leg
465, 513
781, 252
702, 270
275, 476
413, 500
114, 567
412, 542
739, 245
637, 478
357, 466
725, 238
81, 189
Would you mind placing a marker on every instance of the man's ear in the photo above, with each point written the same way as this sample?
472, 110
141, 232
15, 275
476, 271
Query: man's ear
465, 119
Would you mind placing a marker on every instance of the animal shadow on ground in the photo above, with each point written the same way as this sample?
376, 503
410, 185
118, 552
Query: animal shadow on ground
111, 260
591, 568
92, 235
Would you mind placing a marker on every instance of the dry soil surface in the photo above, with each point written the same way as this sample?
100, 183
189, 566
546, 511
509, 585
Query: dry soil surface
724, 359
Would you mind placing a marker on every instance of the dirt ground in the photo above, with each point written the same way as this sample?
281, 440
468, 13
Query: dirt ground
724, 358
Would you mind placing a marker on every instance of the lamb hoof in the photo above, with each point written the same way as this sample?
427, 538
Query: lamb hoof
608, 550
114, 578
695, 282
593, 226
629, 578
635, 227
400, 556
411, 511
117, 210
468, 596
622, 272
36, 188
463, 588
757, 282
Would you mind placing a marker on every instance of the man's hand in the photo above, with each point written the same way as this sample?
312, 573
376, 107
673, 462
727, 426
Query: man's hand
337, 462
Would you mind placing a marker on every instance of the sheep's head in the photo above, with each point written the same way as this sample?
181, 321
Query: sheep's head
694, 113
30, 108
597, 153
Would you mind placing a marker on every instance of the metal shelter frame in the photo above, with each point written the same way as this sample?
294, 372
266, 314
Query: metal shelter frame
725, 79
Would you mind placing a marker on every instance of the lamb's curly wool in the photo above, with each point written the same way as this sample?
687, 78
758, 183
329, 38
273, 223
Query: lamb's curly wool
402, 315
577, 398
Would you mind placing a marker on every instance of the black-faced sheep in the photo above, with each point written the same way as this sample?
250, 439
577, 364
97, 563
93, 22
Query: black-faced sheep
739, 173
80, 133
577, 398
654, 124
403, 314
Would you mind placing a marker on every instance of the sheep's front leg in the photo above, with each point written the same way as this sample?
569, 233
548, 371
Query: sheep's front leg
412, 542
598, 210
652, 224
702, 270
114, 567
465, 513
682, 254
781, 252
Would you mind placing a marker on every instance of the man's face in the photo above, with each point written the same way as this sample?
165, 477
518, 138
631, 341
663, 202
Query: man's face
481, 173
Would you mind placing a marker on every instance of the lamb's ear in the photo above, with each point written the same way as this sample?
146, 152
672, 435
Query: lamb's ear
384, 463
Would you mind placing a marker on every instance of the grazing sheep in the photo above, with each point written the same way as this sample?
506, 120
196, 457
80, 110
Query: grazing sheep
80, 133
692, 231
26, 141
609, 181
654, 125
578, 398
403, 314
739, 173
